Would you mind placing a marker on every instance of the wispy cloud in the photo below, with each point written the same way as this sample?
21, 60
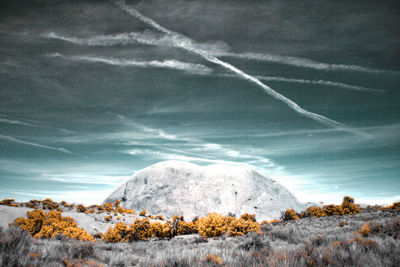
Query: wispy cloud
8, 121
180, 41
302, 62
319, 82
19, 141
168, 64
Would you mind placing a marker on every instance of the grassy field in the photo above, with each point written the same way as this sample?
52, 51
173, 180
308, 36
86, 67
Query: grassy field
370, 238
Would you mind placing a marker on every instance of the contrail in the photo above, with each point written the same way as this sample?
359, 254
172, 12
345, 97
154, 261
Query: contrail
186, 44
320, 82
169, 63
315, 82
216, 50
302, 62
12, 139
16, 122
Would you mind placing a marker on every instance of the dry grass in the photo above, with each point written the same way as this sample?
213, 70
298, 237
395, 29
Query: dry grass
326, 241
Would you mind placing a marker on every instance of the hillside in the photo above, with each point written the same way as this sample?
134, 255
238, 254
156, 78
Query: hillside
175, 187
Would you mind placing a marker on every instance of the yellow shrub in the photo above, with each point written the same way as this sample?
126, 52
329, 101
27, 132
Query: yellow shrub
186, 228
108, 207
129, 211
140, 230
33, 204
77, 233
49, 204
108, 218
33, 255
365, 229
119, 209
160, 217
116, 234
248, 217
241, 226
42, 225
213, 259
161, 230
315, 212
67, 205
143, 213
350, 208
332, 209
101, 209
290, 215
9, 202
212, 225
81, 208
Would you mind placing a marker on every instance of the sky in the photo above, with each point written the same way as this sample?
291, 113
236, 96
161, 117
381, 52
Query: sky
306, 92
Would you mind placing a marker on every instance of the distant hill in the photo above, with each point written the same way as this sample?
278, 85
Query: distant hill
175, 187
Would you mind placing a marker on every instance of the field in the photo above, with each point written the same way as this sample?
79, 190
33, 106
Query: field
370, 238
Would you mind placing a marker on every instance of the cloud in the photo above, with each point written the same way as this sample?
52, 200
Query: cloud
168, 64
181, 41
16, 122
302, 62
12, 139
178, 40
319, 82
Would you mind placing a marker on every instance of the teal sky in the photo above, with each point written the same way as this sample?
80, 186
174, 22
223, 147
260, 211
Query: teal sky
307, 92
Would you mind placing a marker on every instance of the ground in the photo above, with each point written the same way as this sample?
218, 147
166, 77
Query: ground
370, 238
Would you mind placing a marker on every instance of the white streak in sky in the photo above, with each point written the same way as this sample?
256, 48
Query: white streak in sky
186, 43
315, 82
169, 64
301, 62
148, 38
320, 82
12, 139
16, 122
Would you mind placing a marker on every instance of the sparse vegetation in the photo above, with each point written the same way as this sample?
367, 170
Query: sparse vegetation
364, 237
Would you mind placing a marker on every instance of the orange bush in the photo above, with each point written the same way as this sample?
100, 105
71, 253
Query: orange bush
161, 230
109, 207
238, 227
213, 259
49, 204
140, 230
160, 217
116, 234
143, 213
9, 202
33, 204
108, 218
348, 206
67, 205
42, 225
129, 211
365, 229
212, 225
248, 217
289, 215
315, 212
81, 208
332, 209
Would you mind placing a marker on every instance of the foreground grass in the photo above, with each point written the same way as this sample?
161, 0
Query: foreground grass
371, 238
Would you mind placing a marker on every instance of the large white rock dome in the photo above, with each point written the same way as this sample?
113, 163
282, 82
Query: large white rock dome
175, 187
